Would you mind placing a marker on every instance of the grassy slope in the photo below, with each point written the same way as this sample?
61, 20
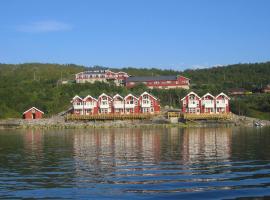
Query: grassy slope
25, 85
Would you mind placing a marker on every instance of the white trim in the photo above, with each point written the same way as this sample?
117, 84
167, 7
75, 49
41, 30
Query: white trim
84, 99
131, 95
35, 109
103, 94
208, 94
190, 94
117, 95
76, 97
148, 94
223, 95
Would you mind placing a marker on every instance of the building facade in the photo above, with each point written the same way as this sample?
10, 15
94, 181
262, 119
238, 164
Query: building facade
104, 104
193, 103
161, 82
208, 103
101, 75
90, 105
148, 103
132, 104
33, 113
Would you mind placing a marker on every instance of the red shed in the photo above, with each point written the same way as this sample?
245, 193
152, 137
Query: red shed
33, 113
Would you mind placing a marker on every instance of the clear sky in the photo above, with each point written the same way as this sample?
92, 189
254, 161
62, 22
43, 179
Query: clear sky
174, 34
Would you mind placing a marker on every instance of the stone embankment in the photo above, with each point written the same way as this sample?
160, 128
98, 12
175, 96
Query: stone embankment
248, 121
59, 122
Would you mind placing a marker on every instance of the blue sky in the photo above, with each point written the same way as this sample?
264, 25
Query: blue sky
168, 34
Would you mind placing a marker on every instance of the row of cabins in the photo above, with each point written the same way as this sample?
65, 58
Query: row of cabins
193, 103
145, 103
124, 79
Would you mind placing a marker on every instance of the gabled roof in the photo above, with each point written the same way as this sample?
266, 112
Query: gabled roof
89, 96
131, 95
35, 109
118, 95
76, 97
208, 94
222, 94
190, 94
148, 94
103, 94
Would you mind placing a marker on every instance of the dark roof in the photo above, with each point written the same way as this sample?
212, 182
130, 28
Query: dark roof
237, 90
151, 78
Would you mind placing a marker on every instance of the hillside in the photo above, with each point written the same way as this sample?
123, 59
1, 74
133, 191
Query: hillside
36, 84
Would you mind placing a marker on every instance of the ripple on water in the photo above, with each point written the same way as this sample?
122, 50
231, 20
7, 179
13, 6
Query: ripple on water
135, 164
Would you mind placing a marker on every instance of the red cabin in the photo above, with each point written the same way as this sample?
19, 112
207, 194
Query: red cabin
33, 113
131, 104
78, 105
105, 103
90, 105
149, 103
208, 102
222, 103
191, 103
118, 104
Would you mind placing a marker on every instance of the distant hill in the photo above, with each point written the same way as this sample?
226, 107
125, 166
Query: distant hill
38, 84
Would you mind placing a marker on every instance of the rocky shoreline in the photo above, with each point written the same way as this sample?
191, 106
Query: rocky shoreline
59, 122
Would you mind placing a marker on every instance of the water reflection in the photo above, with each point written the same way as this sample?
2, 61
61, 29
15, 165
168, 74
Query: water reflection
133, 163
153, 145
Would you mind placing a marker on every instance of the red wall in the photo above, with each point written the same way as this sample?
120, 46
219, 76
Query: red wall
181, 81
28, 115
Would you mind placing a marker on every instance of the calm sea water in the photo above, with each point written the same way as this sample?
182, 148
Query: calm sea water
195, 163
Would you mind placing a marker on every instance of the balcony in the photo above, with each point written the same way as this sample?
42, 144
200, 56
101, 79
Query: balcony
208, 104
146, 105
118, 105
90, 106
78, 106
104, 104
129, 105
220, 105
193, 104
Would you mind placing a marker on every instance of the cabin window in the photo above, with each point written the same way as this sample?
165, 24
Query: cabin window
145, 96
145, 101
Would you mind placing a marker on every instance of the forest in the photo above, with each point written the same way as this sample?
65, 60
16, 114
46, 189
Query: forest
39, 84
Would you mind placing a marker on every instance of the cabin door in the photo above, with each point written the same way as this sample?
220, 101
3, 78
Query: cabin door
33, 115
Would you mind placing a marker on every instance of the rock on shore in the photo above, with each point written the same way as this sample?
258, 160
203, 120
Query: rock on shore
59, 122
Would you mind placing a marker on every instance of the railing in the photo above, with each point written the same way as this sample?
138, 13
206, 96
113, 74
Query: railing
207, 116
118, 105
173, 114
110, 116
146, 105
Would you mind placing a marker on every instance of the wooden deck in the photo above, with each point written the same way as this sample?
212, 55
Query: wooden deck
202, 116
173, 114
206, 116
110, 117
